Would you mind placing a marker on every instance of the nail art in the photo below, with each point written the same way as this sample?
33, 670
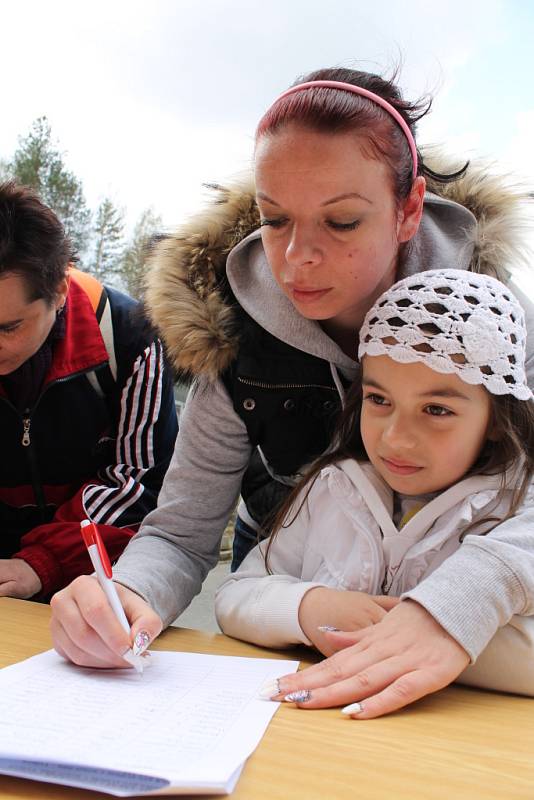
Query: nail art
327, 628
270, 689
300, 696
141, 642
353, 708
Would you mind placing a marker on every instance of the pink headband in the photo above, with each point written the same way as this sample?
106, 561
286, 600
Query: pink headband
349, 87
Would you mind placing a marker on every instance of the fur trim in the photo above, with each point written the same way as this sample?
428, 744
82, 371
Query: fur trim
500, 206
187, 295
190, 302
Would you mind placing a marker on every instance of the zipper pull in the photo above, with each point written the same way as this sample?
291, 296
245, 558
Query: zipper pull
26, 433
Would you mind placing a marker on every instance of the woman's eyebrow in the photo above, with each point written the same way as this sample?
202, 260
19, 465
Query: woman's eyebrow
263, 196
336, 199
4, 325
347, 196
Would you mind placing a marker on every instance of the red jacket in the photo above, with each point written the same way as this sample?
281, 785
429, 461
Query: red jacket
88, 448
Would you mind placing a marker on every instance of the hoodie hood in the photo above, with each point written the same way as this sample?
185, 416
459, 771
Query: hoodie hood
195, 276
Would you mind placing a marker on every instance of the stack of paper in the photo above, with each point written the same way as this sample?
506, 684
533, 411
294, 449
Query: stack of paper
186, 726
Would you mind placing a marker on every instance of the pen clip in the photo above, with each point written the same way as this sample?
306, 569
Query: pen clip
91, 538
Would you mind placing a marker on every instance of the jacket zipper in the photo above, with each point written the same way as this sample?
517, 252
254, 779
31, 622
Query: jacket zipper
262, 385
26, 439
26, 422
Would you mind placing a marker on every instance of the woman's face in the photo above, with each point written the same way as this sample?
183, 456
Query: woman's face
24, 324
331, 227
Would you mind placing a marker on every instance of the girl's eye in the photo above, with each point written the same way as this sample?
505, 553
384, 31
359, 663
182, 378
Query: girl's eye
438, 411
376, 399
9, 330
275, 222
343, 226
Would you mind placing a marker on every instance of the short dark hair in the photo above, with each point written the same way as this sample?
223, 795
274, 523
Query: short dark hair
33, 242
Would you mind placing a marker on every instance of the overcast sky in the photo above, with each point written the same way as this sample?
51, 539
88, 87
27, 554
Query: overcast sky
148, 100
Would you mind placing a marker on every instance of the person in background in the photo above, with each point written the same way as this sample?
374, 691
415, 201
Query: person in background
87, 417
433, 460
260, 298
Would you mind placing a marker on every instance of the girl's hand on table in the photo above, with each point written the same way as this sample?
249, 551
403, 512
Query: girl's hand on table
383, 667
86, 631
348, 611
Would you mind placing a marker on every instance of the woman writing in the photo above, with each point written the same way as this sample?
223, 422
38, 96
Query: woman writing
267, 322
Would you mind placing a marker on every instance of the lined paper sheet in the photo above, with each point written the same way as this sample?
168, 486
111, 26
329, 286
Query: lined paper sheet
190, 721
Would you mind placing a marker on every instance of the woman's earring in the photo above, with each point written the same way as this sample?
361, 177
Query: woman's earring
60, 310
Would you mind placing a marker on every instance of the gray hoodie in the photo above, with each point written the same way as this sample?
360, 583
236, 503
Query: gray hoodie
178, 543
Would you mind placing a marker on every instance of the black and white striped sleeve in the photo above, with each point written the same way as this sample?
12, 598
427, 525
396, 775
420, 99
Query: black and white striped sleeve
144, 443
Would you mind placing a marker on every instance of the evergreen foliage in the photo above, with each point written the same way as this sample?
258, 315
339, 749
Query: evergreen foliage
39, 164
108, 242
99, 241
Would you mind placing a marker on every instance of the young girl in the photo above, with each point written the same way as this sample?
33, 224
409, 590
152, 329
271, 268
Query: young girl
442, 460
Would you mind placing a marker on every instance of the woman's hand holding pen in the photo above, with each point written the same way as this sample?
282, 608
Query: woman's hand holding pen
323, 608
87, 632
381, 668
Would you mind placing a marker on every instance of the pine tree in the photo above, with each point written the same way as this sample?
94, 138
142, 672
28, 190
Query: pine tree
5, 173
133, 262
108, 243
39, 164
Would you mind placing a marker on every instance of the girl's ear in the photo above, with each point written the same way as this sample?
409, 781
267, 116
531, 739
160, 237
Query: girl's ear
411, 212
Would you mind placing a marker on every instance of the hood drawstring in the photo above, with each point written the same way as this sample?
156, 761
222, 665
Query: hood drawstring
337, 381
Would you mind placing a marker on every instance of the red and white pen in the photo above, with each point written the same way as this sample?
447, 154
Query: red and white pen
100, 560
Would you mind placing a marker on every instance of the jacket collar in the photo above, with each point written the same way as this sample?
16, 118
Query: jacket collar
82, 349
378, 497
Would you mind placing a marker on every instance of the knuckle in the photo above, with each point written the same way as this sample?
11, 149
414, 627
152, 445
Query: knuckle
334, 669
97, 609
78, 583
362, 680
403, 688
56, 601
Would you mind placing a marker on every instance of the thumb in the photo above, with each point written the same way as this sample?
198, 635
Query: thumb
339, 640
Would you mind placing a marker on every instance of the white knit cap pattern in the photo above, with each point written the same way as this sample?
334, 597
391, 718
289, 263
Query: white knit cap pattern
453, 321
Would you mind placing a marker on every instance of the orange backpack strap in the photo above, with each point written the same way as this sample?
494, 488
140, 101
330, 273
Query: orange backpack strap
102, 380
92, 288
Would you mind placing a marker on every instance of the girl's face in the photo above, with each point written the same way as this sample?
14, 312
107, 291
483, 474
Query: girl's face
331, 227
422, 430
24, 325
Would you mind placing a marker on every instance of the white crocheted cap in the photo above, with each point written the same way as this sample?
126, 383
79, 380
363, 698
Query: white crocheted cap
453, 321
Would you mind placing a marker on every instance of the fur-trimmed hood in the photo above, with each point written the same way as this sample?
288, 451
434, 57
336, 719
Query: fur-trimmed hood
476, 222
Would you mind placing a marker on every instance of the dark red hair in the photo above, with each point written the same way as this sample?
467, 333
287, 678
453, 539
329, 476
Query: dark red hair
328, 110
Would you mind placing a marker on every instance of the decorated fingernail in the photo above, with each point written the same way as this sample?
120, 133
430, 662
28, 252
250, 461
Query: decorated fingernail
327, 628
141, 642
354, 708
301, 696
270, 689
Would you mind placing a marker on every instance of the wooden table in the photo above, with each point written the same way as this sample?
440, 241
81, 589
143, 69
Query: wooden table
458, 743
